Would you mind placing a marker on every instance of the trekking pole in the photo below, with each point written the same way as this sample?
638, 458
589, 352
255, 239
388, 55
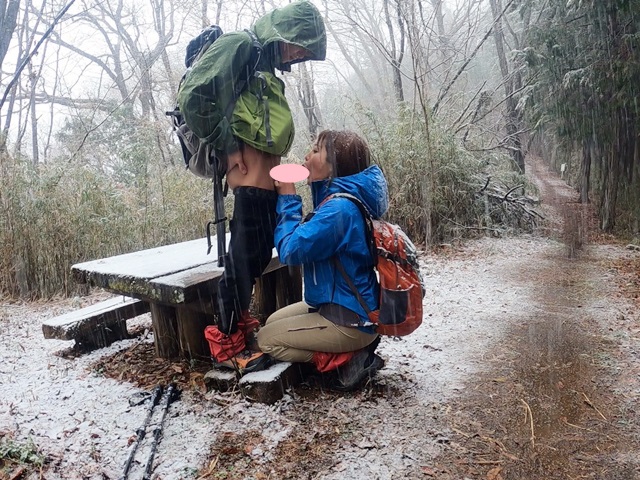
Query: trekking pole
172, 394
140, 432
219, 220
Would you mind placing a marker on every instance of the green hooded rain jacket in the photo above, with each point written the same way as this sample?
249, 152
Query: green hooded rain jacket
208, 87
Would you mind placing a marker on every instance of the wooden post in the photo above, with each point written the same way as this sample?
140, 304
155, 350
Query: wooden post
277, 289
191, 325
165, 332
265, 294
288, 286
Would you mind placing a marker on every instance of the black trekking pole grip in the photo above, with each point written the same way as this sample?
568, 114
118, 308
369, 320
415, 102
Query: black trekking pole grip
142, 430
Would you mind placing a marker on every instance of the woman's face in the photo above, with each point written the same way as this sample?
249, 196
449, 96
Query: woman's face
316, 162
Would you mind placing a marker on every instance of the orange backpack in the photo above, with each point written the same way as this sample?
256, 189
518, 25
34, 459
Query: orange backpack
401, 287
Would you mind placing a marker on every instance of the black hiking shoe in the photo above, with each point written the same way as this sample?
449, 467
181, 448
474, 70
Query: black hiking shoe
361, 367
247, 361
371, 348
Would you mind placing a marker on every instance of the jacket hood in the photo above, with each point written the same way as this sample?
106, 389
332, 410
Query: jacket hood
368, 186
298, 23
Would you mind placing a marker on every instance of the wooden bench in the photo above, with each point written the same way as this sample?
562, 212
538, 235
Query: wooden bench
98, 325
179, 282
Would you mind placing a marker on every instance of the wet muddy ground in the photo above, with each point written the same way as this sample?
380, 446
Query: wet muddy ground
560, 397
553, 405
527, 366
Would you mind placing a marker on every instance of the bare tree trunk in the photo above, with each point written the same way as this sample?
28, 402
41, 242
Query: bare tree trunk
437, 7
512, 119
427, 187
204, 14
635, 188
308, 100
609, 194
585, 171
33, 80
396, 54
22, 129
47, 146
611, 180
8, 23
218, 11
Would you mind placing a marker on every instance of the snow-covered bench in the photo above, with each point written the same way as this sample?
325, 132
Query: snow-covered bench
179, 282
98, 325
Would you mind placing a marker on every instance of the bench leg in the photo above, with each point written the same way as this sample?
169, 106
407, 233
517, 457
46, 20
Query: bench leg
191, 325
165, 331
265, 294
277, 289
288, 286
102, 336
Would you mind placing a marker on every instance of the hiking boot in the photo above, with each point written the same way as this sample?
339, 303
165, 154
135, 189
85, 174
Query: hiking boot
362, 366
249, 325
247, 361
371, 348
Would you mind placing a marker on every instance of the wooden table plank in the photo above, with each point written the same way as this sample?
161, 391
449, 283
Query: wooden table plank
173, 274
187, 286
179, 281
132, 273
151, 263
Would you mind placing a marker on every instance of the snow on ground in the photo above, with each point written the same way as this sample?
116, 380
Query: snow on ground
84, 421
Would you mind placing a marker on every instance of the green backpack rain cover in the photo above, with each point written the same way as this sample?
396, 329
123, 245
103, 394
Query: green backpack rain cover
231, 93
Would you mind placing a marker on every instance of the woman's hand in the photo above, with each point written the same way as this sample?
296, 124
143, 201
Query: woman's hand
285, 188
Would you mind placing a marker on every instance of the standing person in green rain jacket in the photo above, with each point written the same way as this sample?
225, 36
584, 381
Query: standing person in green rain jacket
250, 137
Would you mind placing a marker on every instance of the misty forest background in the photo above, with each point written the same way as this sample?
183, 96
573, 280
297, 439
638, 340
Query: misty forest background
451, 95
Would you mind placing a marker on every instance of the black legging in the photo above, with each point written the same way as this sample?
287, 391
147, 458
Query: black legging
250, 247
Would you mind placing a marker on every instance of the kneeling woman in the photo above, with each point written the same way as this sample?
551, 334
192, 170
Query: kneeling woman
330, 328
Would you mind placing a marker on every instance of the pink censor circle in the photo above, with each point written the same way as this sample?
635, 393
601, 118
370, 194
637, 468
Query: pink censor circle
289, 173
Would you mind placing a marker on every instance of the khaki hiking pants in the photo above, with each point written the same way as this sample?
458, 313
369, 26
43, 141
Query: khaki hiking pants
292, 334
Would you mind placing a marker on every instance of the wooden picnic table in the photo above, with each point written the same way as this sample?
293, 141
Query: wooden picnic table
180, 282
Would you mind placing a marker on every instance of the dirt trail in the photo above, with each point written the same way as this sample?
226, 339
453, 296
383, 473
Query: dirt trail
560, 398
527, 367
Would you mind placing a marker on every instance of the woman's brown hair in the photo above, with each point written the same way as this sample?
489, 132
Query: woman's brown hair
347, 152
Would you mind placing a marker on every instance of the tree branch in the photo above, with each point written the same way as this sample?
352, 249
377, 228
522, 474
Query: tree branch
24, 63
466, 63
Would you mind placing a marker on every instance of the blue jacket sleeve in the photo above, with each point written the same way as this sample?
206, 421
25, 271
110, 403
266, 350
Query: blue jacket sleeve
320, 237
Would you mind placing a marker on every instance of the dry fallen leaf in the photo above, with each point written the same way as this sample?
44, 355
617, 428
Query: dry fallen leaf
429, 471
494, 474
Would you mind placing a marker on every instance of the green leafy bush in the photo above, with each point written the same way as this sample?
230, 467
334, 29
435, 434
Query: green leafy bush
441, 177
26, 453
59, 214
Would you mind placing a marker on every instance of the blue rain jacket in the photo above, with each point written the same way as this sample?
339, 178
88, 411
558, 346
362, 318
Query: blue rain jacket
335, 228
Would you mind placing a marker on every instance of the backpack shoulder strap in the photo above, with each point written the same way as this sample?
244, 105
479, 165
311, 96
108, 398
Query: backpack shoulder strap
354, 199
368, 220
352, 286
256, 54
372, 248
243, 81
252, 65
